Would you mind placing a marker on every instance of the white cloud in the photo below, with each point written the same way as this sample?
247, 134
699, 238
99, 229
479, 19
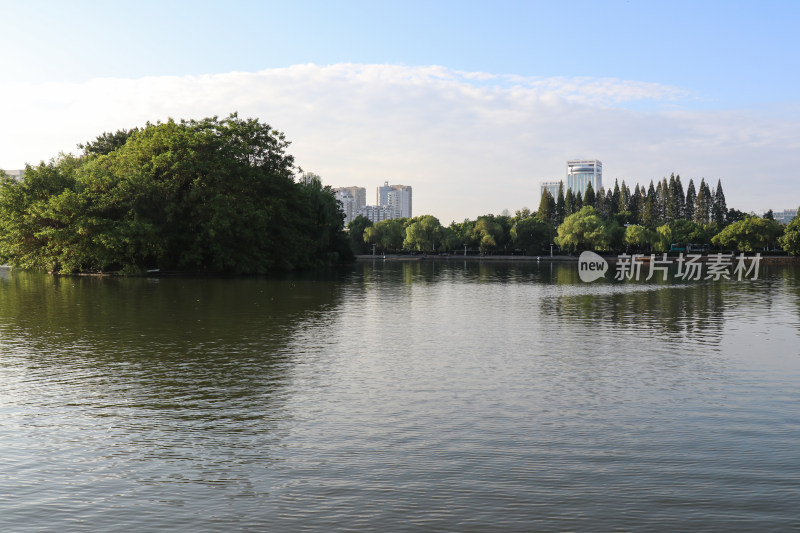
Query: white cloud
468, 142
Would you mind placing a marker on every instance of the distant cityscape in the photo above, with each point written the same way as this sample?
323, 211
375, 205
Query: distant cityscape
582, 172
391, 201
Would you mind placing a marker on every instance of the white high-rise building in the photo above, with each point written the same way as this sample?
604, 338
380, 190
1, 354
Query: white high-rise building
551, 186
376, 213
394, 202
785, 216
16, 174
401, 202
348, 205
582, 172
359, 194
352, 199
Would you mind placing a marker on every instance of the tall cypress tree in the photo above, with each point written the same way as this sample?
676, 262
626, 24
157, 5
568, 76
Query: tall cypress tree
560, 203
702, 204
547, 207
663, 200
649, 216
649, 208
624, 198
691, 198
615, 199
672, 199
600, 202
642, 200
578, 202
569, 203
633, 205
709, 201
681, 197
589, 198
659, 203
720, 207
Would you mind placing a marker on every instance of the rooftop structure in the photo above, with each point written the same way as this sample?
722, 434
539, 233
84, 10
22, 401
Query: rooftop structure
582, 172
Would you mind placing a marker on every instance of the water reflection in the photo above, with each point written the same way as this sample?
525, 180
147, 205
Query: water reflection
398, 396
673, 311
692, 311
185, 349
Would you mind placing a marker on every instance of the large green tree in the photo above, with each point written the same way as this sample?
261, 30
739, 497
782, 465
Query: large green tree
790, 241
489, 233
423, 234
386, 235
585, 230
355, 230
639, 237
215, 195
749, 235
533, 235
547, 207
686, 232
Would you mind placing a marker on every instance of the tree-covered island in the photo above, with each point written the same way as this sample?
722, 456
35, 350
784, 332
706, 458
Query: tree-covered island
214, 195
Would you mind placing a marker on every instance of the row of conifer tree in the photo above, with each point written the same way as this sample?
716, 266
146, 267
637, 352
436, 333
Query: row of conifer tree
660, 203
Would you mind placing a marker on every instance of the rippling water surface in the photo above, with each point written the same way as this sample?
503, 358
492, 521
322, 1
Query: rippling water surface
400, 397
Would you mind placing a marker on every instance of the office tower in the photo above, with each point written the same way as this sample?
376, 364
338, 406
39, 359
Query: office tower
580, 173
551, 186
396, 196
352, 199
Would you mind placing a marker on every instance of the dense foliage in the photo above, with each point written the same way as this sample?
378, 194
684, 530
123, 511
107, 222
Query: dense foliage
750, 235
210, 195
658, 218
790, 241
504, 234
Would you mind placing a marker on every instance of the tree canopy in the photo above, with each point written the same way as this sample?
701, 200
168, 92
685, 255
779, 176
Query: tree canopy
791, 237
214, 195
587, 230
749, 235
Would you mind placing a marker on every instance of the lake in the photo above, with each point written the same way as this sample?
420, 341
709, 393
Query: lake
391, 396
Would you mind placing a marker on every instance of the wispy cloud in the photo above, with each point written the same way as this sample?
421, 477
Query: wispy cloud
469, 142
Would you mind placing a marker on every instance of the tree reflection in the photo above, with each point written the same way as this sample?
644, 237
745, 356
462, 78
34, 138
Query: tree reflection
194, 348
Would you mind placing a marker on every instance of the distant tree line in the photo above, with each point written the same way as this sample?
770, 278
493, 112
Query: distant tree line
653, 219
522, 233
210, 196
656, 205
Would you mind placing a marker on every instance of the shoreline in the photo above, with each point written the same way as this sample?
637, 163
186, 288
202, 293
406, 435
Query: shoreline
770, 259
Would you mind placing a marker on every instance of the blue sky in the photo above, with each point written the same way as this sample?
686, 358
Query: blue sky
704, 89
